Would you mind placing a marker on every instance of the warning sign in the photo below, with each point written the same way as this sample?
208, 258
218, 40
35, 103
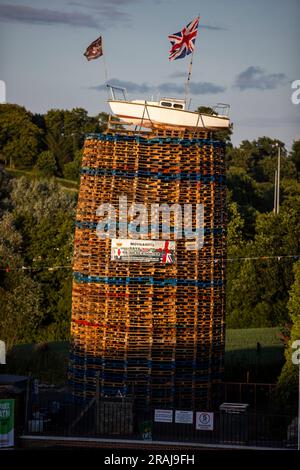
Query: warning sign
163, 416
204, 421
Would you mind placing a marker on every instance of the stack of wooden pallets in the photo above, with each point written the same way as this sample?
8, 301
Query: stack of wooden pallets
153, 327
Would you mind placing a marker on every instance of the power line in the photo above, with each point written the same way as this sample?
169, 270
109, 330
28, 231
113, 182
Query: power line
238, 258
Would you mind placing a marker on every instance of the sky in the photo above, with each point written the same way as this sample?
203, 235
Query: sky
246, 55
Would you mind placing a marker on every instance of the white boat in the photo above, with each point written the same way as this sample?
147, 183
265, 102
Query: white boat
167, 113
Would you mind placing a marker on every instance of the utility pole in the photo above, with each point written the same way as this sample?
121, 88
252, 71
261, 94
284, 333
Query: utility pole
299, 406
275, 193
278, 179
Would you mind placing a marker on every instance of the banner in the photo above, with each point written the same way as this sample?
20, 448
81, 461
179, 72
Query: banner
146, 251
7, 423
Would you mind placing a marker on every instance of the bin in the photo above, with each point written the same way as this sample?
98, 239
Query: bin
234, 423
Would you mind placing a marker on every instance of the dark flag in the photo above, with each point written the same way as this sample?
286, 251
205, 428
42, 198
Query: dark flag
94, 50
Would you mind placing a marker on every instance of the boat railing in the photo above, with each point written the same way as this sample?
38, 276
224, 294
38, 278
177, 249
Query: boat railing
221, 109
117, 93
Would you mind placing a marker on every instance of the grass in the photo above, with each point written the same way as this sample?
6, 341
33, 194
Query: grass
46, 361
248, 338
49, 361
69, 185
254, 354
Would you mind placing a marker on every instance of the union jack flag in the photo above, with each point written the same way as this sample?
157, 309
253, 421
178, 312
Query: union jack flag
183, 43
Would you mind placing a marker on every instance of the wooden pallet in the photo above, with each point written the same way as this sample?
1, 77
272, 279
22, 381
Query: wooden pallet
142, 322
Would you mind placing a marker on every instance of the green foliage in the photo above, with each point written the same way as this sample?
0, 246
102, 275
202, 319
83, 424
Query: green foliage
45, 215
72, 169
46, 163
295, 155
257, 291
20, 315
235, 229
49, 362
287, 388
40, 225
46, 361
60, 147
36, 225
256, 354
19, 137
64, 137
223, 135
294, 303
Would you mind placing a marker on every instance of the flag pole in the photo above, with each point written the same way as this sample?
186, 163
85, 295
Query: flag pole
105, 66
187, 83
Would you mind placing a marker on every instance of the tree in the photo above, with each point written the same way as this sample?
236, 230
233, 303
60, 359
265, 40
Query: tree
287, 387
101, 120
54, 120
44, 215
258, 150
257, 290
223, 135
46, 163
20, 313
65, 132
242, 190
72, 169
5, 188
235, 228
295, 155
60, 147
19, 137
237, 157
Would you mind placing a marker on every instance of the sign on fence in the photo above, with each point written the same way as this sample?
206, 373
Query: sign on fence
2, 353
7, 423
185, 417
204, 421
163, 416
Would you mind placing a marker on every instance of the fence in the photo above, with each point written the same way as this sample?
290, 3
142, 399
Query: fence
120, 419
258, 395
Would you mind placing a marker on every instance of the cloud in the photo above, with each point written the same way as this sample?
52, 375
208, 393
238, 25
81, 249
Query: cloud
106, 9
212, 27
177, 75
95, 4
206, 88
31, 15
91, 13
200, 88
110, 9
256, 78
131, 87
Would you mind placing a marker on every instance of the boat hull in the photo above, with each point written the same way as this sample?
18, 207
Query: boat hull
149, 115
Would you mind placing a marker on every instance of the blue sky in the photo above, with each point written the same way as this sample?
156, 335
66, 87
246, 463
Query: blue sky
247, 55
